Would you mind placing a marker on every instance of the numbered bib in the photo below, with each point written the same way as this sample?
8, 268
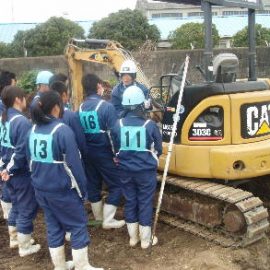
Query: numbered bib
5, 138
89, 121
133, 138
41, 147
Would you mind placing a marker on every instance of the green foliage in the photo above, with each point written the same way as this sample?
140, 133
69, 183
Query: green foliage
18, 44
5, 50
49, 38
191, 35
129, 27
240, 39
27, 81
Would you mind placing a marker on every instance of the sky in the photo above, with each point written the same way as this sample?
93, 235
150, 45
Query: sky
41, 10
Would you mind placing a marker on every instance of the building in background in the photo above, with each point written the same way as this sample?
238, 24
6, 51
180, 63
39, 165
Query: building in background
155, 10
168, 17
228, 20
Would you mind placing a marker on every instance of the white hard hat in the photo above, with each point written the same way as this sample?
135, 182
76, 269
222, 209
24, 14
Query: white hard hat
127, 67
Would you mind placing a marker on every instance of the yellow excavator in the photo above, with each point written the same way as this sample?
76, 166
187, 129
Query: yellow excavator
222, 142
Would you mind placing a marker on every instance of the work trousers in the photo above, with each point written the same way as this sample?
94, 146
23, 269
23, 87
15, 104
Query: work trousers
64, 212
100, 169
5, 196
139, 190
24, 205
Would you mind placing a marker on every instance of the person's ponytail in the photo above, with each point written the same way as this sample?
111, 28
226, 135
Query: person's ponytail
38, 115
42, 109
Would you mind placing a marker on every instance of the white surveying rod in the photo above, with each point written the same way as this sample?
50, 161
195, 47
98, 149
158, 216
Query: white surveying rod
168, 158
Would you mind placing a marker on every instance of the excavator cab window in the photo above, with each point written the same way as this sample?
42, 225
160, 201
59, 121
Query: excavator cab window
169, 85
208, 126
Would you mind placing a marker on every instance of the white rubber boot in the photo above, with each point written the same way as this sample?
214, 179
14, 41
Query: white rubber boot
133, 231
109, 222
68, 236
13, 239
145, 236
6, 207
59, 259
25, 246
97, 209
80, 259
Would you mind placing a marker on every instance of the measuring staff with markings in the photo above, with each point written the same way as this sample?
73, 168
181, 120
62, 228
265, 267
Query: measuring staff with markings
138, 144
59, 181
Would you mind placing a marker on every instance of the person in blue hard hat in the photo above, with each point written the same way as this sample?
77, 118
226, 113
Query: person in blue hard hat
15, 171
6, 78
97, 117
127, 73
59, 182
42, 82
137, 144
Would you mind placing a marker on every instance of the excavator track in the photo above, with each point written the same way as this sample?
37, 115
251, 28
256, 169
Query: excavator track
250, 208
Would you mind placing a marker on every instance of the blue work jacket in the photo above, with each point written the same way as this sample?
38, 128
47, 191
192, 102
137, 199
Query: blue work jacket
97, 117
54, 158
117, 96
137, 143
72, 119
13, 144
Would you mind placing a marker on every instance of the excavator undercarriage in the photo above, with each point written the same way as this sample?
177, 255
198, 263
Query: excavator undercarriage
225, 215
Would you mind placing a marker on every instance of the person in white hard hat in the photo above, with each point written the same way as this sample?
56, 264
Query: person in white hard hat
127, 73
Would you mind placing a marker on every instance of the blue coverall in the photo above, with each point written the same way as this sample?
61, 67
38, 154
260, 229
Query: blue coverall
73, 121
34, 101
117, 96
138, 145
59, 182
13, 149
97, 118
5, 196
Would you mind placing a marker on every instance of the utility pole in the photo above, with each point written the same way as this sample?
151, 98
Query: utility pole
12, 11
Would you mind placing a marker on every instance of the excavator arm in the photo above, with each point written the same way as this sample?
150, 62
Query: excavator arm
107, 52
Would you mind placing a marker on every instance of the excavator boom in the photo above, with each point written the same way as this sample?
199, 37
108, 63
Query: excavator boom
107, 52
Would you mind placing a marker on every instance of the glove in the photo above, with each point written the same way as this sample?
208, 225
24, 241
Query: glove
147, 104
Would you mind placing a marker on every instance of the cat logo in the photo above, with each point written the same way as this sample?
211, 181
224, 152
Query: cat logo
257, 120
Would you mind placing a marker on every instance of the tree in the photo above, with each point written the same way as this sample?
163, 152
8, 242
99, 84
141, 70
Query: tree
27, 81
49, 38
129, 27
5, 50
191, 35
240, 39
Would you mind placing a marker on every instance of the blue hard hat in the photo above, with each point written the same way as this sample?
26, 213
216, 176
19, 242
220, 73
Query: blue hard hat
43, 77
133, 95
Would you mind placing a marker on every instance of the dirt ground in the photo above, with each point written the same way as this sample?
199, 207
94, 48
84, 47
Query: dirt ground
176, 250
